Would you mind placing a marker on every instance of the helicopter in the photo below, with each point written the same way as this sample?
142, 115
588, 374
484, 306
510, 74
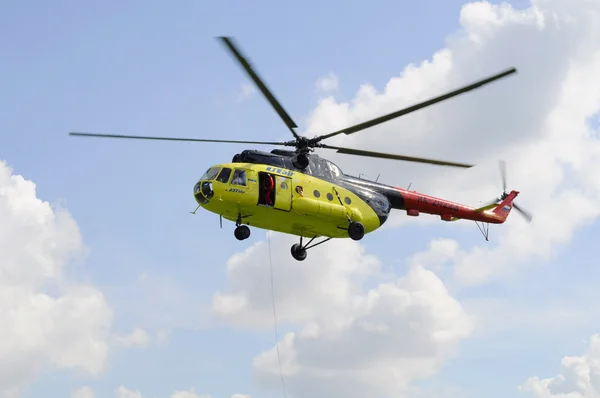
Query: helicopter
298, 192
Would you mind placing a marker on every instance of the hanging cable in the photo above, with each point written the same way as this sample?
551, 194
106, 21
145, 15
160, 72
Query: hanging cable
275, 317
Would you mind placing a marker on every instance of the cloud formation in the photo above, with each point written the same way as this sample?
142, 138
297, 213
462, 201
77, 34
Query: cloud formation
47, 319
122, 392
83, 392
247, 90
350, 339
327, 83
137, 338
580, 376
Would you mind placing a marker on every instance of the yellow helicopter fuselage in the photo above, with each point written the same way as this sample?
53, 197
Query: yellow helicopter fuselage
301, 205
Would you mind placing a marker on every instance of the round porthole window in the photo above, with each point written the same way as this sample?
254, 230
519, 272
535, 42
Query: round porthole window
283, 185
347, 200
329, 196
317, 193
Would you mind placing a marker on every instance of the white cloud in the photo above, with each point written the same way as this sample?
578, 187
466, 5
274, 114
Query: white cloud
83, 392
351, 340
327, 83
247, 90
123, 392
137, 338
537, 120
304, 296
188, 394
580, 377
46, 318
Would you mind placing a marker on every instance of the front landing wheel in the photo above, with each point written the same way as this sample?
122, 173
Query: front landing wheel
242, 232
298, 252
356, 231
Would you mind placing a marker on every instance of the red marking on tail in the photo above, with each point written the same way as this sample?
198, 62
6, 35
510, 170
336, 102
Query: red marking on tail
504, 208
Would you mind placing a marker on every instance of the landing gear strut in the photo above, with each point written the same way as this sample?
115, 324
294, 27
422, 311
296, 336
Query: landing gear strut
242, 232
356, 230
299, 252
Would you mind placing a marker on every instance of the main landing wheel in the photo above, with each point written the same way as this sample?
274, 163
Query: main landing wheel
242, 232
298, 252
356, 231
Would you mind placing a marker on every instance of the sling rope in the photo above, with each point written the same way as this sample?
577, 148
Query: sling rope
275, 317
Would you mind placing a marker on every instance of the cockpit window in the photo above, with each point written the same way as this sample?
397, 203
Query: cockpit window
239, 177
224, 175
211, 173
333, 168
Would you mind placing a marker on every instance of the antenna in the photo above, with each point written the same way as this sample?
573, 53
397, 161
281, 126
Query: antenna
409, 186
377, 179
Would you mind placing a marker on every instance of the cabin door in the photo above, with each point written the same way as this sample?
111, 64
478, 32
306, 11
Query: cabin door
283, 193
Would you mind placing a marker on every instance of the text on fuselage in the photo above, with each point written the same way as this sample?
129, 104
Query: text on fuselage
280, 171
435, 202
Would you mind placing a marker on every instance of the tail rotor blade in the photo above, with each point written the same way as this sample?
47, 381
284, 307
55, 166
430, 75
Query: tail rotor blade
492, 202
524, 213
502, 165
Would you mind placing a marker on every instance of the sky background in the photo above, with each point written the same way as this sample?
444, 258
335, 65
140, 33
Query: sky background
152, 68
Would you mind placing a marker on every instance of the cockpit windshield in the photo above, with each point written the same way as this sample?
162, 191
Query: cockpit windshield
329, 168
335, 170
210, 173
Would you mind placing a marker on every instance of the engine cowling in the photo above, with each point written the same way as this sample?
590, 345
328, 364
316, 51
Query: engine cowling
300, 161
412, 212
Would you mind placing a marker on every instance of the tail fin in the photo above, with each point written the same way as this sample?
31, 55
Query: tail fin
504, 208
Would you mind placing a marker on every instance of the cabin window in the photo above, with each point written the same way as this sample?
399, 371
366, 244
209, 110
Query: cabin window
224, 175
347, 200
239, 177
283, 185
329, 196
210, 173
316, 193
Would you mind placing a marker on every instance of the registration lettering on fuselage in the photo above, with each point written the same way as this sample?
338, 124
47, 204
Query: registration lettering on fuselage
280, 171
236, 190
435, 202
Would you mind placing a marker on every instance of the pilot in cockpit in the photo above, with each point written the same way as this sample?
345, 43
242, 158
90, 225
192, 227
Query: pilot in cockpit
239, 177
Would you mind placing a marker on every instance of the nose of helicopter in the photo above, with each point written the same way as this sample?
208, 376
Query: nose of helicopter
203, 192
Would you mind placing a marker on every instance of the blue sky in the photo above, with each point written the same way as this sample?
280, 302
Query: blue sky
152, 68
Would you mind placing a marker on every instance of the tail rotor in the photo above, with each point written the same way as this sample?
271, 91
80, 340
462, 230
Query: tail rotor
527, 215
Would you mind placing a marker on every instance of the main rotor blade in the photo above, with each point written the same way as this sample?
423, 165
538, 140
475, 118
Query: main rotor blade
139, 137
349, 151
402, 112
502, 165
524, 213
228, 41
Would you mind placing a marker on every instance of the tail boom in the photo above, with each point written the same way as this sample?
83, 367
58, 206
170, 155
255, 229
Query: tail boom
415, 203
